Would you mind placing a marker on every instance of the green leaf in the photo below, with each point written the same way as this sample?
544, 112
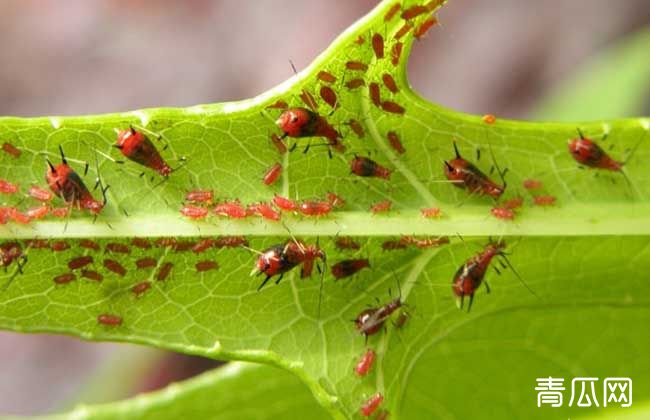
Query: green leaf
584, 257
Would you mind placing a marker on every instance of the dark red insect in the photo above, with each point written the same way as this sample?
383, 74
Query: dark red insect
60, 212
513, 203
278, 143
5, 214
203, 245
532, 184
141, 243
365, 364
414, 11
88, 244
395, 142
465, 175
137, 147
38, 244
230, 242
115, 267
396, 53
118, 248
200, 196
375, 96
11, 150
366, 167
355, 83
146, 262
109, 320
392, 107
389, 82
382, 206
206, 265
91, 275
424, 27
59, 246
589, 153
347, 243
263, 210
301, 122
164, 271
231, 209
392, 11
10, 252
403, 31
357, 128
356, 66
80, 262
181, 246
489, 119
285, 204
278, 259
433, 212
64, 278
140, 288
66, 184
278, 105
371, 320
544, 200
326, 77
335, 200
38, 212
7, 187
371, 404
503, 213
18, 216
272, 174
194, 212
401, 319
393, 245
347, 268
329, 96
378, 45
315, 208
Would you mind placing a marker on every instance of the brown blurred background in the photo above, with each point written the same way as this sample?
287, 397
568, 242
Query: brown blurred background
82, 57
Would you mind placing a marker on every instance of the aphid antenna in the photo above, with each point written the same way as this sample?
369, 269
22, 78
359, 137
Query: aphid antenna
293, 238
502, 174
458, 155
634, 149
510, 266
582, 136
293, 67
62, 155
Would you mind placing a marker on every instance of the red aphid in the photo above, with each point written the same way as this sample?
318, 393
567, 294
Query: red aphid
465, 175
544, 200
263, 210
278, 105
365, 364
231, 209
203, 245
308, 99
140, 288
513, 203
489, 119
7, 187
430, 242
393, 245
230, 242
433, 212
360, 40
182, 246
424, 27
378, 45
80, 262
199, 196
206, 265
315, 208
18, 216
109, 320
329, 96
401, 319
59, 246
10, 252
146, 262
434, 4
115, 267
355, 83
11, 150
375, 96
389, 82
532, 184
392, 107
285, 204
165, 242
371, 404
60, 212
141, 243
66, 184
5, 214
38, 212
366, 167
395, 142
194, 212
137, 147
396, 53
335, 200
414, 11
301, 122
326, 77
382, 206
403, 31
164, 271
272, 174
356, 66
38, 244
357, 128
590, 154
503, 213
64, 278
347, 268
392, 11
118, 248
470, 275
347, 243
88, 244
278, 143
91, 275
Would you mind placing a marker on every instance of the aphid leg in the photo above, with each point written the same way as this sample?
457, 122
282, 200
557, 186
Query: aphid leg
279, 279
263, 283
487, 286
469, 305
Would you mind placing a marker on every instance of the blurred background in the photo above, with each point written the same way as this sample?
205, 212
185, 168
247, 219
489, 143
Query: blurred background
79, 57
